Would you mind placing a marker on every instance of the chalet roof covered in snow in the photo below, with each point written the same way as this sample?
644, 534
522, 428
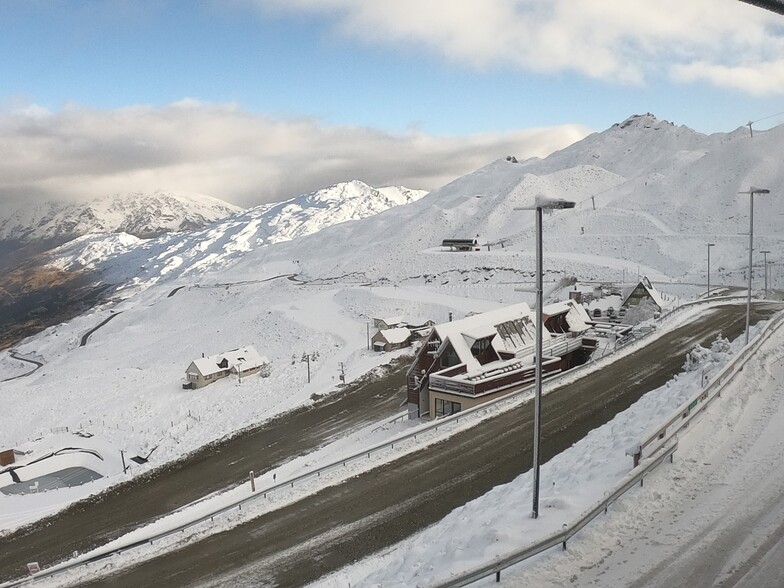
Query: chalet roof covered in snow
247, 357
395, 336
641, 290
576, 316
391, 320
512, 329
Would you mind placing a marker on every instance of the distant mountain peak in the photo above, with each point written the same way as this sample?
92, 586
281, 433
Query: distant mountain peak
142, 214
643, 121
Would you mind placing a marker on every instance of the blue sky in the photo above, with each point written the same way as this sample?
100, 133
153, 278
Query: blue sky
431, 78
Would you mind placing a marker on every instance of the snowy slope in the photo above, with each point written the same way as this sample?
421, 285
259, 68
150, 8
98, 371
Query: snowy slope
123, 257
141, 214
649, 194
660, 192
312, 212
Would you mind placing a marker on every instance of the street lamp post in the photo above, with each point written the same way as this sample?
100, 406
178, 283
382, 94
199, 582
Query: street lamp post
751, 191
765, 267
541, 203
709, 247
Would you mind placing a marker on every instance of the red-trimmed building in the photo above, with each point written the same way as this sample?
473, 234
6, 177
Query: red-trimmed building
476, 359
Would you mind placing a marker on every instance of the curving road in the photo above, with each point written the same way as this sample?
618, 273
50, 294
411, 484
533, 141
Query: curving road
12, 353
323, 532
96, 520
86, 336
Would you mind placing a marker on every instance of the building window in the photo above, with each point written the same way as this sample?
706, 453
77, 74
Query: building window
449, 357
447, 407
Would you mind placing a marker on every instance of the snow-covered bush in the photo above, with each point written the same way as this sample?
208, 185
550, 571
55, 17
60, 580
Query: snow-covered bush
699, 357
265, 370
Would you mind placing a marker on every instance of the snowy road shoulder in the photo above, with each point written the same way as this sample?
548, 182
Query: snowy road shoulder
499, 523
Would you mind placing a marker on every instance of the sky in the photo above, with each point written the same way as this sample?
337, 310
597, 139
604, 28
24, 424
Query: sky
254, 101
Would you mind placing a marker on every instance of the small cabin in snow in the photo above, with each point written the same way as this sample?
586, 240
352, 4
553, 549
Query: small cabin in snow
391, 339
244, 361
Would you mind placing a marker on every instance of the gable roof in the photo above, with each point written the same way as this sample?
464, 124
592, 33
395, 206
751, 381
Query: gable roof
247, 357
491, 324
389, 321
647, 288
394, 336
576, 316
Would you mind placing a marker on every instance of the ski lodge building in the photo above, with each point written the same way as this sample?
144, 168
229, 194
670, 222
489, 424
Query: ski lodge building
485, 356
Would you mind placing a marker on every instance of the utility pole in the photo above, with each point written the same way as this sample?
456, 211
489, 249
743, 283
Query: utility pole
748, 124
306, 359
342, 372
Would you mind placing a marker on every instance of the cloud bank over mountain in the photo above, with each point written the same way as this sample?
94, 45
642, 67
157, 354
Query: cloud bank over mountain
243, 158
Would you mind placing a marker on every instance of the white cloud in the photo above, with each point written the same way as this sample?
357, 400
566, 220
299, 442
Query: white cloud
623, 41
758, 79
231, 154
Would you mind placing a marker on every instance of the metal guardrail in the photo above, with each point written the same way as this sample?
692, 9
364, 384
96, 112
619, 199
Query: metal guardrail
290, 483
669, 444
496, 567
700, 400
259, 494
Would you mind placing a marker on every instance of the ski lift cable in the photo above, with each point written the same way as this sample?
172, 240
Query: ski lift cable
754, 122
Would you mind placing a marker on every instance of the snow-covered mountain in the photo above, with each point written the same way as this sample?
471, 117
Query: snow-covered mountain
227, 240
143, 215
309, 213
649, 195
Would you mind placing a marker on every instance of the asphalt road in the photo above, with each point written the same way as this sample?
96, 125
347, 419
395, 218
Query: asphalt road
93, 522
321, 533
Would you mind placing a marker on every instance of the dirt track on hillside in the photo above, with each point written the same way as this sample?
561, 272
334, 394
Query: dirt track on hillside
323, 532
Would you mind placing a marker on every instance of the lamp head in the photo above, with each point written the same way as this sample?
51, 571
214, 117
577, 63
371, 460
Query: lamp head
754, 190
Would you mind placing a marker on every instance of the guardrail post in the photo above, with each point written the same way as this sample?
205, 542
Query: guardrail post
563, 546
498, 576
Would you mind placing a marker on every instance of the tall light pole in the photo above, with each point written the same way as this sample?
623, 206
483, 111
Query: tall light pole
709, 246
765, 267
751, 191
541, 203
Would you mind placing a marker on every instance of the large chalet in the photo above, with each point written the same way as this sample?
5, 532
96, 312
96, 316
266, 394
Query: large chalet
482, 357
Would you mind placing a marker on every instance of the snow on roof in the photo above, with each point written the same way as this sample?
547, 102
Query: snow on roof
576, 316
392, 320
480, 332
398, 335
479, 326
652, 292
247, 356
